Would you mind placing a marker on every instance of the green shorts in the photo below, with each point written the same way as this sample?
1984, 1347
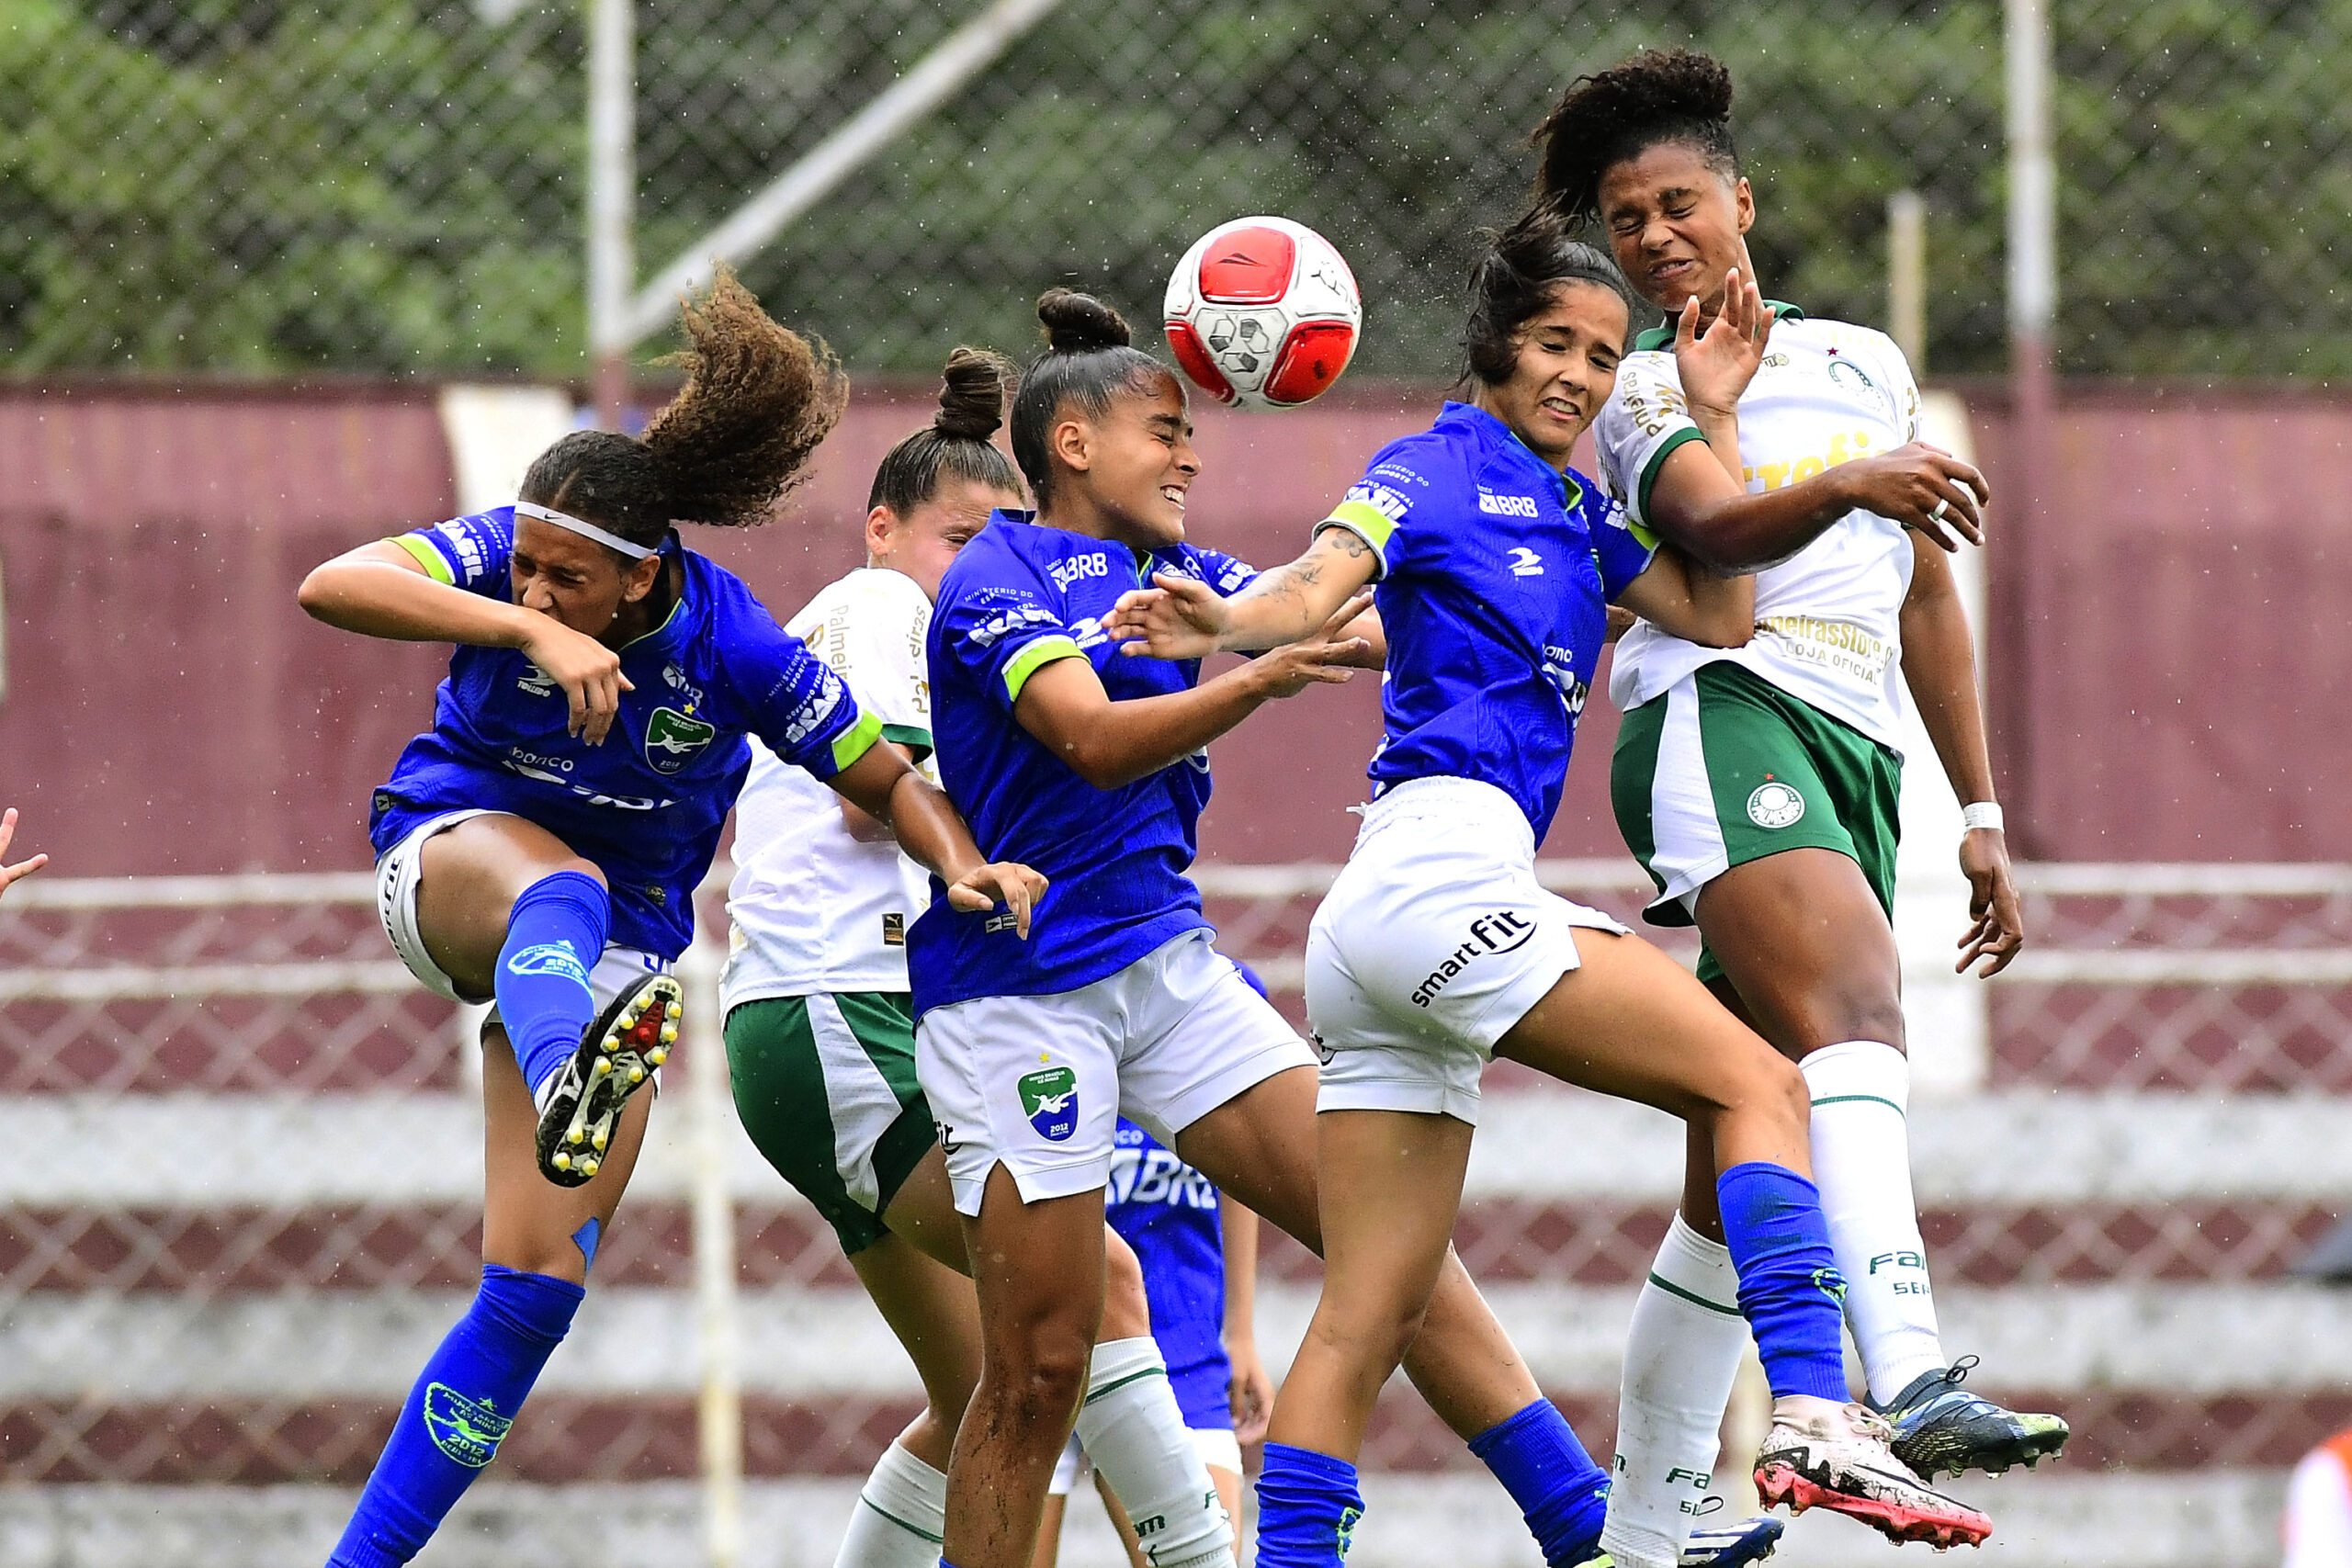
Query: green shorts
1726, 768
826, 1086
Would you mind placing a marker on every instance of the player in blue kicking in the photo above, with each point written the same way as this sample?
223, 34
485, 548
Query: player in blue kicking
1092, 767
1437, 949
540, 846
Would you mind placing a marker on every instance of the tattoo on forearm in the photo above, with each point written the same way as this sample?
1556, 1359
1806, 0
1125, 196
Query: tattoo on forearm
1347, 541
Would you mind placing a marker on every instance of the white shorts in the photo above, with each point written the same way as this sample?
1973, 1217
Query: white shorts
1218, 1449
1037, 1084
1433, 941
397, 876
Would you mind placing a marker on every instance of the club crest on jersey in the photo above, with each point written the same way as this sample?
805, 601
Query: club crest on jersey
1775, 805
468, 1430
672, 738
1049, 1099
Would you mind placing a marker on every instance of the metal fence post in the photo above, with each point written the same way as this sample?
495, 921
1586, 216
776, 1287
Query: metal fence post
719, 1404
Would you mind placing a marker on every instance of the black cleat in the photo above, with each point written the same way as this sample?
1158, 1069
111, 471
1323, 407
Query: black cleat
1938, 1426
617, 1054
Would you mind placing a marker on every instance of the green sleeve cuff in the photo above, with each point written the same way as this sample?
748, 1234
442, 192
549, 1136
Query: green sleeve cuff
856, 740
907, 735
1649, 482
1367, 523
1034, 657
426, 557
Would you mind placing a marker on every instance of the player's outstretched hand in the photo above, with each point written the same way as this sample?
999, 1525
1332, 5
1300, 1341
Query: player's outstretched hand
1715, 366
1182, 618
1921, 487
1328, 657
1008, 883
1251, 1391
9, 874
1997, 919
589, 672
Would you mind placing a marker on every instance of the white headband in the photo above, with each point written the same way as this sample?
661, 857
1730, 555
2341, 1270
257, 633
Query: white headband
585, 530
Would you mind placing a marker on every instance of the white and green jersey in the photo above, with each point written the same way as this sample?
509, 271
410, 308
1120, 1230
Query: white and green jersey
815, 910
1828, 617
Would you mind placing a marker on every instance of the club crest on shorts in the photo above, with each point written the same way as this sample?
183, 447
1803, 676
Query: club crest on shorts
468, 1430
1774, 805
1049, 1099
672, 738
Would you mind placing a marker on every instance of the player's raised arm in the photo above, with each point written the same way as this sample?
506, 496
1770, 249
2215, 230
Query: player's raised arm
409, 590
1109, 743
1181, 618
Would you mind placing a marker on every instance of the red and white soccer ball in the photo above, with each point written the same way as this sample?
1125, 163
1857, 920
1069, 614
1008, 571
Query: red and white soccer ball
1262, 313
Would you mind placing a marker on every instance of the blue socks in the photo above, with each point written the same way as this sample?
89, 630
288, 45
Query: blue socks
553, 938
1790, 1289
1562, 1494
1308, 1504
451, 1423
1307, 1508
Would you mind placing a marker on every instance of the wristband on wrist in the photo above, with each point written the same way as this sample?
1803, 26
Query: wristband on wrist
1980, 814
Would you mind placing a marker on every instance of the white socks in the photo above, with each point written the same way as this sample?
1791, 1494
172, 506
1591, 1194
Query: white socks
1132, 1429
901, 1516
1681, 1358
1861, 1162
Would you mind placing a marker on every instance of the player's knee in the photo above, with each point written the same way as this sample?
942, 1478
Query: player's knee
1043, 1377
1868, 1012
1052, 1378
1371, 1333
1759, 1085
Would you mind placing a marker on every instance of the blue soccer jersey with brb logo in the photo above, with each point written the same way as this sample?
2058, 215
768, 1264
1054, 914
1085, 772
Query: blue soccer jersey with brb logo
646, 806
1019, 597
1495, 572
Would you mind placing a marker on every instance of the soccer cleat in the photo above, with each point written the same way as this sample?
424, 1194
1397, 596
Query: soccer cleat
1824, 1455
1731, 1543
617, 1053
1938, 1426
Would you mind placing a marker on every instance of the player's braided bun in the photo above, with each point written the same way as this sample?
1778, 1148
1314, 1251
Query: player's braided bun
1076, 324
757, 402
955, 442
1517, 278
1674, 94
1090, 359
971, 394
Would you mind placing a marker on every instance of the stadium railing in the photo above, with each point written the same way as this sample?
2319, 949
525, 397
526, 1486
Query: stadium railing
246, 1194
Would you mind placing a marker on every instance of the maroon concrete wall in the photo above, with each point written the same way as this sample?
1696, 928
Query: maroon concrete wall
2168, 643
2172, 637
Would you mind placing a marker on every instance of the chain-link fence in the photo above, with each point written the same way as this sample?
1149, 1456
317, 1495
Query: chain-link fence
254, 185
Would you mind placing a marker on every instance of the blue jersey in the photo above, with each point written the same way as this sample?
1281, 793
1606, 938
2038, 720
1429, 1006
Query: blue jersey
1495, 572
1168, 1212
1019, 597
646, 806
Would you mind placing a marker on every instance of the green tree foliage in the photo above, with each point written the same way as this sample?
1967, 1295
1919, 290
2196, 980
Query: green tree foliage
261, 185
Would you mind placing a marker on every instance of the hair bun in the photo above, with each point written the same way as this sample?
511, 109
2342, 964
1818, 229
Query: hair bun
1079, 323
971, 402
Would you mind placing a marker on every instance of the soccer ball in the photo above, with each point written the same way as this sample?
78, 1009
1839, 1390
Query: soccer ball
1262, 313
